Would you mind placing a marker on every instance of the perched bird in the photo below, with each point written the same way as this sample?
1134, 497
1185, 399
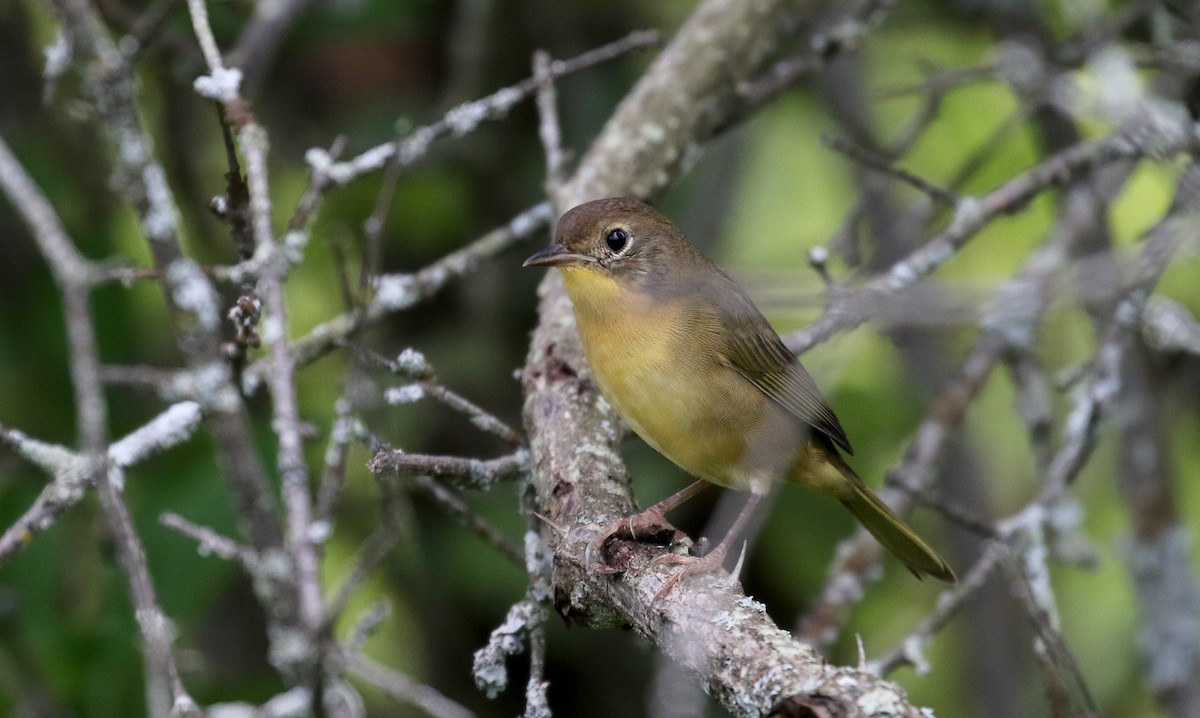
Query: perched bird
692, 365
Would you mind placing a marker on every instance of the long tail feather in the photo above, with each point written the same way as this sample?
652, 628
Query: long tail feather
895, 535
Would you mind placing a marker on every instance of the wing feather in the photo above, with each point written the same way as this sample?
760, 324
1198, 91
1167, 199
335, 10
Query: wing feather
754, 350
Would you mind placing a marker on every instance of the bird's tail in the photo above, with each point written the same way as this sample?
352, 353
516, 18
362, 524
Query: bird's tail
891, 531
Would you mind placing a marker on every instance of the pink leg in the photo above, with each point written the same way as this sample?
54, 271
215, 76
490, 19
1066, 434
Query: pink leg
656, 514
713, 560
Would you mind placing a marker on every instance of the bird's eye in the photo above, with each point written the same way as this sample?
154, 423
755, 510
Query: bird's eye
617, 239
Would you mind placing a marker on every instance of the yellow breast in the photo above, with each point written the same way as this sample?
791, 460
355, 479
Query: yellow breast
663, 375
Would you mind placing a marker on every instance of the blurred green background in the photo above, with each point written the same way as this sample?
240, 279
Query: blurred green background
758, 200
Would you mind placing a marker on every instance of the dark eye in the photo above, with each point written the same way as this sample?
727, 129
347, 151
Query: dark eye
617, 239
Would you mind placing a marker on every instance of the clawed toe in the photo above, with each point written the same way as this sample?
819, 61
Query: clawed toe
610, 550
689, 566
708, 563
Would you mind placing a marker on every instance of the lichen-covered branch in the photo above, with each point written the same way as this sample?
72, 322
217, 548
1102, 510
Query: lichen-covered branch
188, 294
397, 292
96, 467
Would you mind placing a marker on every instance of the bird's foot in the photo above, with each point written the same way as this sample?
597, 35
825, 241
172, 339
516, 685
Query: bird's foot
711, 562
607, 552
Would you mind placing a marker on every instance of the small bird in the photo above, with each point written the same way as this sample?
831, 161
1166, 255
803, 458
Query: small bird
691, 364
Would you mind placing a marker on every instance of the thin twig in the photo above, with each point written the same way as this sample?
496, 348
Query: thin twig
222, 86
162, 674
374, 548
209, 541
412, 365
192, 301
466, 117
397, 292
909, 652
841, 35
548, 128
858, 154
972, 215
72, 479
1009, 326
454, 507
404, 689
539, 565
457, 471
1065, 685
346, 428
259, 41
373, 225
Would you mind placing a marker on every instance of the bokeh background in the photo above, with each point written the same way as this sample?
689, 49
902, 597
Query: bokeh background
758, 200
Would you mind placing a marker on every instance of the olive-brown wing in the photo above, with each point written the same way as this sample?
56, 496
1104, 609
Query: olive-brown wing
750, 346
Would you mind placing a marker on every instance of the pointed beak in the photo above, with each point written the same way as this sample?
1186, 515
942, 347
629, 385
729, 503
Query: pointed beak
556, 255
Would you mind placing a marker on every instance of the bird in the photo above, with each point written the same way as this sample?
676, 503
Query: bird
695, 369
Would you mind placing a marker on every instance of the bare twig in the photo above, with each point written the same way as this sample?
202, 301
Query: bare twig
71, 481
412, 365
1095, 397
256, 47
457, 471
458, 510
910, 650
539, 564
346, 428
858, 154
466, 117
1065, 686
222, 85
209, 541
373, 549
404, 689
162, 674
841, 35
374, 224
397, 292
973, 214
548, 127
189, 296
72, 475
507, 639
1016, 311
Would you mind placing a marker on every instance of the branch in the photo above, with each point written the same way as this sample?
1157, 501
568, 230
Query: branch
973, 214
466, 117
189, 295
405, 689
162, 674
1169, 327
222, 85
411, 364
1017, 310
457, 470
397, 292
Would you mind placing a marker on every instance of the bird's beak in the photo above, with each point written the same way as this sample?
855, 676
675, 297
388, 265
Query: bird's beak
556, 255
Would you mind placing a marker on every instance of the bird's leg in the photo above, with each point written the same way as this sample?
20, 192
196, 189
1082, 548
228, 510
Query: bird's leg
713, 560
646, 524
656, 516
